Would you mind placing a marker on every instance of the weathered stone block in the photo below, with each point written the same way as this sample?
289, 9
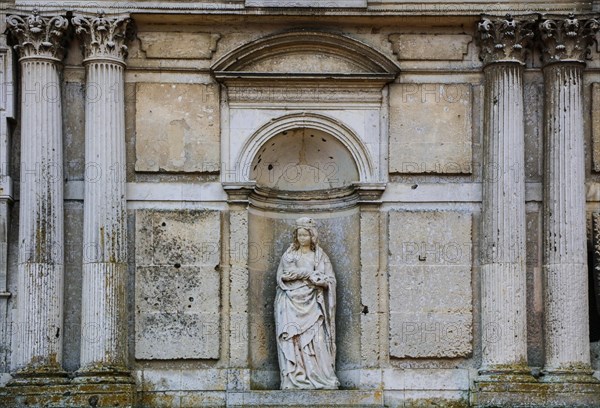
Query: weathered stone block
177, 295
178, 45
177, 127
430, 128
430, 47
430, 284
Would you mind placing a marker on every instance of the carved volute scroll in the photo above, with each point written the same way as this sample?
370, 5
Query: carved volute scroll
567, 38
505, 39
103, 36
38, 36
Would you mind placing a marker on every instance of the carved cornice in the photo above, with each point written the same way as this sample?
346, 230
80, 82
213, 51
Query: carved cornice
505, 39
567, 38
38, 36
103, 36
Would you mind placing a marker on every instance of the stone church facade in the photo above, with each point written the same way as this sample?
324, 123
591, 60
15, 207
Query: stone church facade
155, 154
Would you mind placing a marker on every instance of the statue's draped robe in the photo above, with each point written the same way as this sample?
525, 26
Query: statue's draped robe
305, 326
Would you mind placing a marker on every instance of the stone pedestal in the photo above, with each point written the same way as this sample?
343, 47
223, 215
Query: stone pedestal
504, 326
104, 324
38, 329
566, 43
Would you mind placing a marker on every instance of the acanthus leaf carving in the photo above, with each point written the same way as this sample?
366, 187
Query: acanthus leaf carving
505, 39
103, 36
567, 38
38, 36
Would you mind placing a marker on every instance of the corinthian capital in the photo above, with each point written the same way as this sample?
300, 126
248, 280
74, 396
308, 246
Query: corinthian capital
506, 38
567, 38
103, 36
38, 36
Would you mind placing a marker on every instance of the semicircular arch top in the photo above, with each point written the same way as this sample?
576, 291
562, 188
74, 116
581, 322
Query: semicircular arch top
306, 52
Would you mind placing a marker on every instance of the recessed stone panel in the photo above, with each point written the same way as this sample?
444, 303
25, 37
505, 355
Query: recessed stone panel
430, 284
177, 128
430, 128
178, 45
430, 47
177, 295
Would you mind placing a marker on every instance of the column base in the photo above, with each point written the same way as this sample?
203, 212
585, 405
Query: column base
509, 374
538, 395
73, 395
38, 377
103, 375
569, 376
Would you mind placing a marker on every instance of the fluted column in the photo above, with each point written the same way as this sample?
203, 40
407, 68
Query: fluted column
103, 321
7, 111
566, 42
38, 331
503, 304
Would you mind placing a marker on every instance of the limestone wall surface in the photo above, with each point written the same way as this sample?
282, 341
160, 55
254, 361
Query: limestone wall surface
394, 125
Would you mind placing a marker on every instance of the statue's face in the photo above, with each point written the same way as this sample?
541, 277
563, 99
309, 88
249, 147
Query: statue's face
303, 236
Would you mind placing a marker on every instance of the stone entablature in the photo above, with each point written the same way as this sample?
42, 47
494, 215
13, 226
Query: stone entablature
309, 7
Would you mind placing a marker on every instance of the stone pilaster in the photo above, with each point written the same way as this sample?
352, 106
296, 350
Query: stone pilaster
7, 112
239, 373
503, 43
38, 328
103, 322
566, 42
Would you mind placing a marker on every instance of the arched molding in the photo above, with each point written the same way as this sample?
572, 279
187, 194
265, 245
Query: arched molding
359, 152
368, 61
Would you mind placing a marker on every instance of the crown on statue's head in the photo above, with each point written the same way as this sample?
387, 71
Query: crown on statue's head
305, 222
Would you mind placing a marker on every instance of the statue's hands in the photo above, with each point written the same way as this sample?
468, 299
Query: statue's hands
319, 280
303, 273
290, 276
295, 274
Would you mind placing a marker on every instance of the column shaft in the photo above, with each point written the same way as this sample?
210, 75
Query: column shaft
504, 328
104, 331
565, 41
104, 304
565, 257
41, 236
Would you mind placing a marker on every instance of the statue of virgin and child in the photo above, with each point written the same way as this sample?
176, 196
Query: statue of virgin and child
305, 313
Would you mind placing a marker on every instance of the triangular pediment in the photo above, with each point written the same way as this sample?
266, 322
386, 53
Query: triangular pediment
305, 54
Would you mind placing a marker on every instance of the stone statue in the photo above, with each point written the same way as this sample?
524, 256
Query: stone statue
305, 313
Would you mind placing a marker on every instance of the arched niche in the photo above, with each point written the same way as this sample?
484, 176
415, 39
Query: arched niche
279, 89
302, 160
338, 133
320, 182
